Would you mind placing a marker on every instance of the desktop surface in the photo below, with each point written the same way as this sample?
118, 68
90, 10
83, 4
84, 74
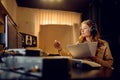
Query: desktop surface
75, 73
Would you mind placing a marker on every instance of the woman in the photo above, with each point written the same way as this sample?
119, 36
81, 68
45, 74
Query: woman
89, 33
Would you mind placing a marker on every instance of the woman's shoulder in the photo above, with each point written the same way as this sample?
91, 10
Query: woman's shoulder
104, 42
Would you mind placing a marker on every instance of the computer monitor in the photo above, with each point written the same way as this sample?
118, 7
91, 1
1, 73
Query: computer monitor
10, 35
4, 35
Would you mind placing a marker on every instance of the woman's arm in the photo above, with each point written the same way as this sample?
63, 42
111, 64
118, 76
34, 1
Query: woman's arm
64, 53
106, 60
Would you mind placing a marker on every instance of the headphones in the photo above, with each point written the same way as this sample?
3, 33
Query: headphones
93, 30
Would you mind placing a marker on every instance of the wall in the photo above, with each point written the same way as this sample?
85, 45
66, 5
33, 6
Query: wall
1, 22
29, 20
49, 33
11, 7
26, 20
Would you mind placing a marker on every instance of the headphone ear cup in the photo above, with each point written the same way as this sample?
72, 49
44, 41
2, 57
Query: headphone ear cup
93, 31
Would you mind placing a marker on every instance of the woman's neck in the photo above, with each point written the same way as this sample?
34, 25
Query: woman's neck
89, 39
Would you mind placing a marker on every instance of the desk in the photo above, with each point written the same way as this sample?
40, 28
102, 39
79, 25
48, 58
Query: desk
102, 73
75, 73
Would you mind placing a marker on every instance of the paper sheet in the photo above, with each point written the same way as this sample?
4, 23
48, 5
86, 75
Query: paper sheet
82, 50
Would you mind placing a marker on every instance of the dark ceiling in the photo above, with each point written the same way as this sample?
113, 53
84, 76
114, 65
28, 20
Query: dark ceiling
67, 5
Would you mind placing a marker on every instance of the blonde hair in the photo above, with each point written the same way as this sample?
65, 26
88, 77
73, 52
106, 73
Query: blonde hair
90, 23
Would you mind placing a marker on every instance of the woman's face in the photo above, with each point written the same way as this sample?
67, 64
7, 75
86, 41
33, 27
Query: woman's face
85, 30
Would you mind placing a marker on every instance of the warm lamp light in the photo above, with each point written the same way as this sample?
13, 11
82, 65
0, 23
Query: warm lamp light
51, 0
59, 0
58, 17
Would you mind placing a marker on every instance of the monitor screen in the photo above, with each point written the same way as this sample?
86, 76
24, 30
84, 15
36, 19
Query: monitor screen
12, 35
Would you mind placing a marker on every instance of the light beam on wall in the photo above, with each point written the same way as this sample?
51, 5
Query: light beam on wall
59, 17
46, 1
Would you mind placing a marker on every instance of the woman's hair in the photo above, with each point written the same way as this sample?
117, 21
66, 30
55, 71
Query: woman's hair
93, 30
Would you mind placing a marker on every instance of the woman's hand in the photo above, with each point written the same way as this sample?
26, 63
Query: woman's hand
57, 45
93, 58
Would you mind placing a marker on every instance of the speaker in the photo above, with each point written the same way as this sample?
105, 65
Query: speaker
56, 68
